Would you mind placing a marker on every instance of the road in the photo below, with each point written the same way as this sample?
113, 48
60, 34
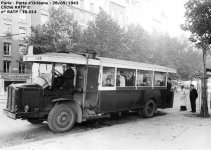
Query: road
168, 128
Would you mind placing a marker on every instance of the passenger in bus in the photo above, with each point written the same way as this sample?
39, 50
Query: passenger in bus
158, 83
130, 79
108, 82
120, 79
145, 83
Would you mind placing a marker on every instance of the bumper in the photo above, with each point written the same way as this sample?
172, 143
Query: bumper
10, 114
23, 115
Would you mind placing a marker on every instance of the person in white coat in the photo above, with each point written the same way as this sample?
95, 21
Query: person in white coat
183, 99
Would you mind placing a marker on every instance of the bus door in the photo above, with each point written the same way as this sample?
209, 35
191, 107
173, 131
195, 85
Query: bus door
91, 98
171, 85
169, 99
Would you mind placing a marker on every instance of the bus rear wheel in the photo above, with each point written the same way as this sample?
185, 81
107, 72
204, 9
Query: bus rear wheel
61, 118
149, 109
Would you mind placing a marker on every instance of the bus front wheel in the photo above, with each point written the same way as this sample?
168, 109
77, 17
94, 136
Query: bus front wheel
61, 118
149, 109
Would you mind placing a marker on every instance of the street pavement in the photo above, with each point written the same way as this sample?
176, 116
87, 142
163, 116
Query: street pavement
170, 129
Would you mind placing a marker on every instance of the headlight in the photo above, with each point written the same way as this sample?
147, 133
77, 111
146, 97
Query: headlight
26, 108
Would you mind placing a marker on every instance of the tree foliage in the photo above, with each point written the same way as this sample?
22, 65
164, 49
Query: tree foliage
58, 34
198, 22
104, 36
108, 39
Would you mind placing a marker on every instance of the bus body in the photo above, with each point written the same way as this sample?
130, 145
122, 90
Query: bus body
101, 86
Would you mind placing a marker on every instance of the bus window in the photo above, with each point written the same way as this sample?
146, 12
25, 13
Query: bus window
108, 76
160, 79
42, 74
125, 77
144, 78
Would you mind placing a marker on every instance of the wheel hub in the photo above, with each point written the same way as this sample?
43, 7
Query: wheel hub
63, 119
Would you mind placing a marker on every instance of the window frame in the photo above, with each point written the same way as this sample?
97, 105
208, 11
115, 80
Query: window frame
152, 78
10, 48
106, 88
165, 81
21, 67
6, 27
7, 69
22, 36
135, 75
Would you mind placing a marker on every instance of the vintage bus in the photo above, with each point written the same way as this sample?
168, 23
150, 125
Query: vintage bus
100, 86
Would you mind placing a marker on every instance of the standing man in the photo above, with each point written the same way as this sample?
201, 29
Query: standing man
169, 84
193, 97
169, 93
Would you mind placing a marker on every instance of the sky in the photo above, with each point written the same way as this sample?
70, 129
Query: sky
163, 15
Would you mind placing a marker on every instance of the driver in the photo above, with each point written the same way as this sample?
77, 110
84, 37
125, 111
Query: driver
68, 77
66, 80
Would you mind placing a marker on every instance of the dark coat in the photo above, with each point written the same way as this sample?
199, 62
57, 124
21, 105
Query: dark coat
68, 77
169, 85
68, 74
193, 94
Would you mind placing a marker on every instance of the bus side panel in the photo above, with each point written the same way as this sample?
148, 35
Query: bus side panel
113, 101
120, 100
160, 94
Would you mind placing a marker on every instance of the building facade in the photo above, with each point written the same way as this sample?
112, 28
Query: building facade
15, 27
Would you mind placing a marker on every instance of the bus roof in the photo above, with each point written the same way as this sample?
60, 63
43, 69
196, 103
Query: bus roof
80, 59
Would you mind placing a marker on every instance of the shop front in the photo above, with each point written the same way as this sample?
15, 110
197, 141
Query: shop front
7, 79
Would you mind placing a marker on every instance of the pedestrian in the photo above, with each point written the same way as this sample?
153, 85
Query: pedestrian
183, 99
169, 84
193, 97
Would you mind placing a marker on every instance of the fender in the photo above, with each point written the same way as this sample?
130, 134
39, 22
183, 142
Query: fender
76, 106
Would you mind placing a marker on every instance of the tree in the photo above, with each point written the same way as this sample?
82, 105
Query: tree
136, 40
58, 34
198, 22
103, 36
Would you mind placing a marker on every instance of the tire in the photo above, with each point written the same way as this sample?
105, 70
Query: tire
62, 118
34, 120
149, 109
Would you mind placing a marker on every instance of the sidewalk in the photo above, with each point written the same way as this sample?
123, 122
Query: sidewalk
158, 134
171, 130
